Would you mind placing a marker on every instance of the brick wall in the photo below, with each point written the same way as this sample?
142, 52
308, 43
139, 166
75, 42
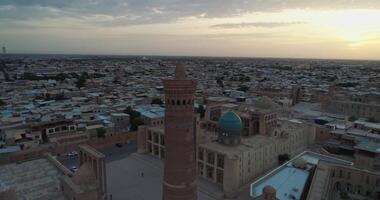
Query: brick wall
97, 143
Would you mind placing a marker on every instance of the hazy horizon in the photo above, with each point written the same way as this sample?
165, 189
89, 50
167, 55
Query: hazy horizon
343, 29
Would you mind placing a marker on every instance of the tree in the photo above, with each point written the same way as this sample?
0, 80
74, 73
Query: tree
201, 110
243, 88
282, 158
352, 118
82, 80
157, 101
2, 103
134, 118
372, 119
101, 132
132, 114
219, 81
135, 123
344, 195
48, 97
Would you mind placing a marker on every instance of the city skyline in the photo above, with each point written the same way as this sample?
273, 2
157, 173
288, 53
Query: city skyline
309, 29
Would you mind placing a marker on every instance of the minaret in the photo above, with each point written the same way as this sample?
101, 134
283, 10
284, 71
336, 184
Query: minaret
180, 177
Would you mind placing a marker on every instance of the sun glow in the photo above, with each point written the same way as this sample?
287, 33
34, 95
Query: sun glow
353, 26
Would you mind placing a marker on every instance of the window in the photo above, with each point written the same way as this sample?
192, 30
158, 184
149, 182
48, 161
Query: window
162, 140
200, 154
348, 188
348, 175
219, 176
209, 172
162, 153
210, 157
200, 169
220, 159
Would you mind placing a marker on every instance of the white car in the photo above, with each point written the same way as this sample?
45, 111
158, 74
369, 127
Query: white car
72, 154
73, 169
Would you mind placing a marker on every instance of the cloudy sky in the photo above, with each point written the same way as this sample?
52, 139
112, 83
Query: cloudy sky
247, 28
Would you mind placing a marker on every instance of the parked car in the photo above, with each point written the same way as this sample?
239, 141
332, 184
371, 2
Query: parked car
119, 145
72, 154
73, 169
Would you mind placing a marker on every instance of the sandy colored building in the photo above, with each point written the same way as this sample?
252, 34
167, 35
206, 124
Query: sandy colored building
229, 159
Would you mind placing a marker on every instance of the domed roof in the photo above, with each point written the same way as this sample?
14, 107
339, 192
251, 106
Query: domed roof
300, 163
269, 190
230, 122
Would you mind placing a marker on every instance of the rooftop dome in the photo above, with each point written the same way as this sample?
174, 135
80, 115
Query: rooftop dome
230, 122
269, 190
300, 163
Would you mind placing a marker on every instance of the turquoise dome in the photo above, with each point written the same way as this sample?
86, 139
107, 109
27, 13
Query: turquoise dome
230, 122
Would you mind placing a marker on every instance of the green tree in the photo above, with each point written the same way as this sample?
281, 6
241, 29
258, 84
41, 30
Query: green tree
219, 81
101, 132
81, 82
282, 158
352, 118
135, 123
132, 114
201, 110
344, 196
157, 101
134, 118
372, 119
2, 103
243, 88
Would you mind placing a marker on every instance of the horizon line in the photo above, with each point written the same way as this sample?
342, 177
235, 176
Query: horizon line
192, 56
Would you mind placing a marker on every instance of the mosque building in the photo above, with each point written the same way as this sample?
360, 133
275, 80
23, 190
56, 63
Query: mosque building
232, 146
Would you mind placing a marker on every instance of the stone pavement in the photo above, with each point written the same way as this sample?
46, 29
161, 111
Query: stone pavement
126, 182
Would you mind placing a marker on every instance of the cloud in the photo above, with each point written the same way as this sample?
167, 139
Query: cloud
132, 12
256, 24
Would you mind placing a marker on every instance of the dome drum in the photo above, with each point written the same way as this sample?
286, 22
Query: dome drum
230, 127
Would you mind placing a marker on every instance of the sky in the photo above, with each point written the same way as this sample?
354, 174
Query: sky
339, 29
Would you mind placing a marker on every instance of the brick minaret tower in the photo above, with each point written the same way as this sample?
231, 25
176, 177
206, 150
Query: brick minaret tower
180, 164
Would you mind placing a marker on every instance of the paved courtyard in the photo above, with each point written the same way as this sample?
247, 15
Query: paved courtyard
32, 180
126, 182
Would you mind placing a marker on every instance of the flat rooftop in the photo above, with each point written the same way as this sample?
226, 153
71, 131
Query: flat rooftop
288, 180
151, 111
33, 180
289, 183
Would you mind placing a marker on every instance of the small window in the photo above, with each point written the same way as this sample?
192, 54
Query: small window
178, 103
